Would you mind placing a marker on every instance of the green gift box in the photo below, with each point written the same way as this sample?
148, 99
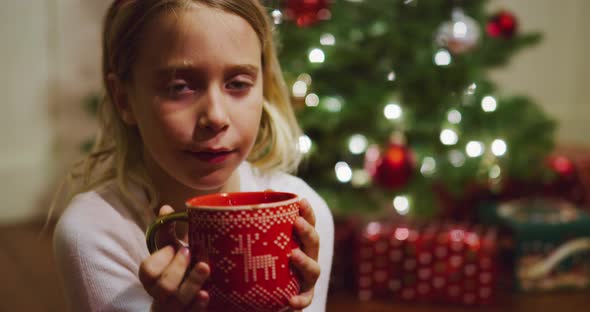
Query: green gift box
551, 242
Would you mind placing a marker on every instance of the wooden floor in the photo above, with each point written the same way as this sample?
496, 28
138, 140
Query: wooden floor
29, 282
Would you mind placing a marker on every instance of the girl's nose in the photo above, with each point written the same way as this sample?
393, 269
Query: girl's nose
214, 116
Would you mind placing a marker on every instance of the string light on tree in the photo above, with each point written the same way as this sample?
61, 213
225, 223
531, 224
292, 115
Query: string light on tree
357, 144
312, 100
317, 56
299, 89
449, 137
454, 116
305, 77
372, 156
392, 111
474, 149
488, 104
391, 76
304, 144
401, 203
499, 147
360, 178
327, 39
356, 35
442, 57
332, 104
471, 89
378, 28
428, 167
343, 172
495, 172
456, 158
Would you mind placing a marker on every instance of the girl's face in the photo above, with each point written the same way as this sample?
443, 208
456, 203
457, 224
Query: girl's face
196, 96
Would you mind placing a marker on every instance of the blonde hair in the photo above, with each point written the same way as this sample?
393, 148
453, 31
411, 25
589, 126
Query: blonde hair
117, 151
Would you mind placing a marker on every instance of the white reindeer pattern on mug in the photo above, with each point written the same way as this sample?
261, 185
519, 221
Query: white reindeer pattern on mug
253, 263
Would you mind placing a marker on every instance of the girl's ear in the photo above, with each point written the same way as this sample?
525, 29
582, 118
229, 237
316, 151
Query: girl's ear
120, 98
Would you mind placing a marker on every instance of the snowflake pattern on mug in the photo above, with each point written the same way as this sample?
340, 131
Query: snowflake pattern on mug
262, 219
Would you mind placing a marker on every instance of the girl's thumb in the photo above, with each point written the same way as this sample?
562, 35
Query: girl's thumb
167, 233
165, 210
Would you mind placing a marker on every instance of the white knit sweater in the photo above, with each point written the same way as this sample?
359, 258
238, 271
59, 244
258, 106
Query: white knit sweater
99, 244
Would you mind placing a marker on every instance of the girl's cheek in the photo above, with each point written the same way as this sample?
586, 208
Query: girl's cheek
178, 126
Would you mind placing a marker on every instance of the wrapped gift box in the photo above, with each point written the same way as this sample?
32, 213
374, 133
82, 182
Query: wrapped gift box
551, 242
438, 262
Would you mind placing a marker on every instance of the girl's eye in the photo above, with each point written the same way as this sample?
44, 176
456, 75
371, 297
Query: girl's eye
177, 88
238, 85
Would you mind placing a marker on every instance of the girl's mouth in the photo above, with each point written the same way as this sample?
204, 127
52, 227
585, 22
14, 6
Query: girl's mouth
212, 157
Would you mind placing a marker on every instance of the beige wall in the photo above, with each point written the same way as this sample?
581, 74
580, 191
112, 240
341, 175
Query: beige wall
49, 59
25, 139
555, 73
49, 56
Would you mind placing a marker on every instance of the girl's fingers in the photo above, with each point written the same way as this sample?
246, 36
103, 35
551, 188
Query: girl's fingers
307, 212
193, 283
310, 271
308, 267
201, 302
170, 280
308, 236
151, 269
301, 301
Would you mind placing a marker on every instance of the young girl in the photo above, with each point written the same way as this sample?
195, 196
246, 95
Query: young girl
195, 104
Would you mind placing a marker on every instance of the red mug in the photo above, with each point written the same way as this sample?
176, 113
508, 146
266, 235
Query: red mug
247, 239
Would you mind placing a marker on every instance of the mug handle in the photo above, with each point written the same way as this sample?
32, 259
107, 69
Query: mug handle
150, 233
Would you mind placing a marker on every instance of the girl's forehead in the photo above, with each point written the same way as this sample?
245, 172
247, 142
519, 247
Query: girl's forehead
198, 34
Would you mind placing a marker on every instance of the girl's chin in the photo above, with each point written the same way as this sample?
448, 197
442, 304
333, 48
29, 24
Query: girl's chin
213, 183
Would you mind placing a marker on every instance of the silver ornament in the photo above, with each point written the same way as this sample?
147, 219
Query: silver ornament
277, 16
459, 35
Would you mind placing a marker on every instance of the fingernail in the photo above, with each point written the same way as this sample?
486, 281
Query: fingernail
296, 254
185, 252
201, 270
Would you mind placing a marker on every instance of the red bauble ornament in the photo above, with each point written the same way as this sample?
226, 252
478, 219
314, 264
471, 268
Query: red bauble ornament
307, 12
393, 168
503, 24
562, 165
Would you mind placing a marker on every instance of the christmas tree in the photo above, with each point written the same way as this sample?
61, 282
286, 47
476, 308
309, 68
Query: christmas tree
395, 103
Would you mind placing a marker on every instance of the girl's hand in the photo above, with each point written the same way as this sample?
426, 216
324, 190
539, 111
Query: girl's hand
305, 259
163, 277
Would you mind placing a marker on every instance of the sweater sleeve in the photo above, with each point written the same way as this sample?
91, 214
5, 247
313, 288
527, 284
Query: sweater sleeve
324, 227
98, 255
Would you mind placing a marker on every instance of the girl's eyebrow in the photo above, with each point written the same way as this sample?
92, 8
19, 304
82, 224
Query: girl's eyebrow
240, 68
185, 66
